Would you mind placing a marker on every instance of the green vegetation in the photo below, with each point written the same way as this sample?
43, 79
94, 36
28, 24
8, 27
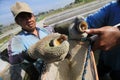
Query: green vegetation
77, 3
0, 28
1, 25
4, 39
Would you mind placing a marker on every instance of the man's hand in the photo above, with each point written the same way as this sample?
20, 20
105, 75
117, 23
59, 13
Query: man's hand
108, 37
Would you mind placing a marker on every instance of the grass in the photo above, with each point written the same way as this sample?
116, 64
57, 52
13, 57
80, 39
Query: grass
42, 16
4, 39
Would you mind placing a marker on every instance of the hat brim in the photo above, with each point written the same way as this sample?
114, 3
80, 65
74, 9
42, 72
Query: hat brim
22, 12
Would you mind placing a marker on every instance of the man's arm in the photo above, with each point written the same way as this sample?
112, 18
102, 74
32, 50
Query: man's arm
17, 51
99, 18
108, 37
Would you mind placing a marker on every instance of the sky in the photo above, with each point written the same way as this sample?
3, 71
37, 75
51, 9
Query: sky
37, 6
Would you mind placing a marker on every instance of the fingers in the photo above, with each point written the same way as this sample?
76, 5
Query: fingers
93, 31
98, 44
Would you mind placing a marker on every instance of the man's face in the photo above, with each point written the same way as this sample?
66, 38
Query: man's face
26, 21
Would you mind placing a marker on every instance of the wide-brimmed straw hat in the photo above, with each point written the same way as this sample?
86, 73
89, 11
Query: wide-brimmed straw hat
20, 7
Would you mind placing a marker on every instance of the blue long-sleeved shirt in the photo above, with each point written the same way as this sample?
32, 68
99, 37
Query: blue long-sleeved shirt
109, 15
21, 43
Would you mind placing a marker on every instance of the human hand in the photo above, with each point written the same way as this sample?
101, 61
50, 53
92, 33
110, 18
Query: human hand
108, 37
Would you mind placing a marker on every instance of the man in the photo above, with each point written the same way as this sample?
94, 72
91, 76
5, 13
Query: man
30, 34
108, 38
